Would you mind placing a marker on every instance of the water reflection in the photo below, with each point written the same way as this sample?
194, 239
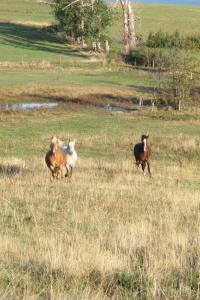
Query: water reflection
27, 106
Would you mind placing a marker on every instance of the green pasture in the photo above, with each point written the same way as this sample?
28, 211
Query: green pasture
26, 41
149, 16
20, 130
152, 17
25, 11
23, 42
58, 78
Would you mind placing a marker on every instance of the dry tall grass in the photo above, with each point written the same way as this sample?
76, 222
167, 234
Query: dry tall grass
109, 233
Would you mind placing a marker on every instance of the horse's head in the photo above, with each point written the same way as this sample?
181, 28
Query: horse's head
71, 145
144, 139
55, 144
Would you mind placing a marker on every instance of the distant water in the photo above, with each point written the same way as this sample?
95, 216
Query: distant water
27, 106
177, 2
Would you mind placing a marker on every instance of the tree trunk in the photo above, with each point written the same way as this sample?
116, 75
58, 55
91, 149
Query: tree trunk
83, 45
125, 16
129, 26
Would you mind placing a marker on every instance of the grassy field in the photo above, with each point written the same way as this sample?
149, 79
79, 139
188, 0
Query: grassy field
84, 77
110, 233
25, 11
24, 42
23, 39
79, 85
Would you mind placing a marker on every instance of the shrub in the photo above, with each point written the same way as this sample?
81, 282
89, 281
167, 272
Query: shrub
162, 39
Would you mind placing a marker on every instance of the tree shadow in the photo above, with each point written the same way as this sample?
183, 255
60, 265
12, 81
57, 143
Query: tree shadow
33, 38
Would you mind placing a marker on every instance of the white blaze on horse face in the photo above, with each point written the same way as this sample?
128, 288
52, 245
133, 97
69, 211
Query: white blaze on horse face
53, 145
145, 144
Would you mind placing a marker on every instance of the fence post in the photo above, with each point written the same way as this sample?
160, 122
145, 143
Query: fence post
152, 105
140, 103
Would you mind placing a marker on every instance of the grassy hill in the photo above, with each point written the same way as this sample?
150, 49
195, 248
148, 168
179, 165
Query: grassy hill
25, 47
30, 11
27, 41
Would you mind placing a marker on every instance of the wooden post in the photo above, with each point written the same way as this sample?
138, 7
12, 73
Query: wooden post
94, 46
135, 62
98, 46
140, 103
179, 105
152, 104
107, 47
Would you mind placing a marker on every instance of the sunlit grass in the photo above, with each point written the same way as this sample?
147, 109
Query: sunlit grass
110, 232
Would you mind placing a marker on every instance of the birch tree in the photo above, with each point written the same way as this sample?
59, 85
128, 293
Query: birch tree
129, 26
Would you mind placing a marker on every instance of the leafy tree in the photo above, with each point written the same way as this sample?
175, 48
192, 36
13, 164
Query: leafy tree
68, 15
176, 77
83, 19
98, 17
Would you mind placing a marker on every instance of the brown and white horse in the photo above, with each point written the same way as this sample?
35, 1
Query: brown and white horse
142, 153
55, 158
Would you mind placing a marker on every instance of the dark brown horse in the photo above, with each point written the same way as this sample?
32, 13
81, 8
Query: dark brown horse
55, 158
142, 153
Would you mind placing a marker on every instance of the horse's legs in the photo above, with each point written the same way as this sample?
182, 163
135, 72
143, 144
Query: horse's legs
52, 176
138, 165
143, 167
59, 173
148, 168
71, 171
67, 170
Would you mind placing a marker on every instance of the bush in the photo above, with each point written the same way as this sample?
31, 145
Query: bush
162, 39
148, 56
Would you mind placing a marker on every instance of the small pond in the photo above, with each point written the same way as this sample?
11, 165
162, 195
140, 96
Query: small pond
28, 105
23, 106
